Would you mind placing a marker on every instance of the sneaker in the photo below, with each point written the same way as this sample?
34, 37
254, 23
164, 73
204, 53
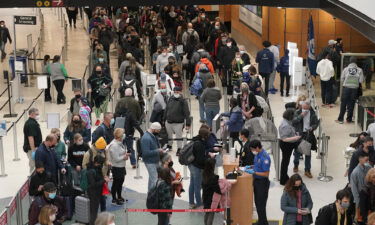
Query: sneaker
308, 174
119, 202
339, 121
114, 201
295, 169
192, 206
97, 123
281, 94
287, 94
134, 166
349, 121
178, 152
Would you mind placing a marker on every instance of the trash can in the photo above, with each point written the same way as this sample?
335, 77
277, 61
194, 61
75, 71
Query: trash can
366, 103
21, 57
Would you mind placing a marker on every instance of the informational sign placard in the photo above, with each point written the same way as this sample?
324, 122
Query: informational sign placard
293, 52
76, 84
25, 20
53, 120
151, 80
42, 82
3, 128
297, 71
19, 66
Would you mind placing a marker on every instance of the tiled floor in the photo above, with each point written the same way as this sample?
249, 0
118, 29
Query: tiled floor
78, 48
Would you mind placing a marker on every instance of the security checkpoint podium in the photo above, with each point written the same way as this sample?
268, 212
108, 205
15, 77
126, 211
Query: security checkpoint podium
241, 194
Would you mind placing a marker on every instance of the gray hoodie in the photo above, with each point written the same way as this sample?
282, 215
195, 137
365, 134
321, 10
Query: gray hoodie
211, 97
117, 151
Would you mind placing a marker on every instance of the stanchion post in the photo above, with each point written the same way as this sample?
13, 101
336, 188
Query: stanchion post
226, 106
356, 117
126, 215
364, 119
137, 171
16, 158
323, 175
186, 177
2, 165
6, 74
44, 107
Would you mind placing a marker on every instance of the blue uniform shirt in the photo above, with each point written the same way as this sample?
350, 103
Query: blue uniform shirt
262, 163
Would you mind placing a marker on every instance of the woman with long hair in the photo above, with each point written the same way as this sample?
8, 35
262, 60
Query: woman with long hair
210, 185
47, 92
296, 202
164, 187
47, 215
75, 126
59, 76
76, 151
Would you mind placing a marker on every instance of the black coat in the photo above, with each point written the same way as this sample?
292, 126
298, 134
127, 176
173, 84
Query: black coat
355, 159
210, 186
95, 182
367, 201
36, 180
199, 151
328, 215
226, 55
4, 35
247, 156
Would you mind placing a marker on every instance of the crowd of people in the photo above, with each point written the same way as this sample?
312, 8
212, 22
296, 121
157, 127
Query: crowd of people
92, 152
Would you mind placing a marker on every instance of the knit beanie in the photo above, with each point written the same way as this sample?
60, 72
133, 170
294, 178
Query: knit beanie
100, 143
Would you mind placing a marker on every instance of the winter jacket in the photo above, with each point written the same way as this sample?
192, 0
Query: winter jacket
209, 188
36, 180
222, 198
105, 37
74, 105
283, 66
95, 182
207, 62
117, 151
367, 201
164, 195
41, 201
128, 102
177, 111
49, 159
162, 61
245, 58
265, 59
235, 122
298, 120
103, 131
150, 148
328, 215
199, 152
169, 83
186, 36
89, 156
204, 76
69, 134
198, 55
354, 160
4, 35
211, 97
325, 69
85, 113
131, 123
357, 181
290, 208
76, 153
352, 76
226, 55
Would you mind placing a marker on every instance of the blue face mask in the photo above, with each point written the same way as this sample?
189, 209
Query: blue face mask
51, 195
112, 121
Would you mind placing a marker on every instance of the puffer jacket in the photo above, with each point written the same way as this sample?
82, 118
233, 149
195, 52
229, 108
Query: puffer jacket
235, 122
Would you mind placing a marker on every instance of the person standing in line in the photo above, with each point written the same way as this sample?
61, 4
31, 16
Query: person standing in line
47, 92
210, 185
4, 37
118, 157
59, 76
367, 195
76, 152
32, 136
38, 179
265, 60
211, 98
75, 101
283, 69
60, 148
105, 129
164, 195
72, 15
151, 152
85, 113
261, 182
47, 215
276, 54
352, 78
296, 202
75, 126
288, 142
326, 72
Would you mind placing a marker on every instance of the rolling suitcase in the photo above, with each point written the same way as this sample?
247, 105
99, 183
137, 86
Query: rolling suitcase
82, 209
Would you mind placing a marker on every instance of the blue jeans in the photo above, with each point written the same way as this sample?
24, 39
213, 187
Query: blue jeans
128, 141
103, 203
211, 113
195, 185
201, 109
152, 174
307, 161
348, 97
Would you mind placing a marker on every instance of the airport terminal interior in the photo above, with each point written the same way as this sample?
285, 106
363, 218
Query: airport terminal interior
201, 86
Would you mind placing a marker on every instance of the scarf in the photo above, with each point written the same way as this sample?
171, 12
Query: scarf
339, 218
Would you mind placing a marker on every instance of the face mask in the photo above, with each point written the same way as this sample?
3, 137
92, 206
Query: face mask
300, 102
112, 121
163, 90
40, 173
2, 25
78, 96
158, 37
170, 63
52, 218
52, 146
52, 195
80, 142
296, 188
101, 60
217, 27
224, 40
155, 133
123, 137
305, 110
238, 59
165, 53
242, 52
367, 164
176, 95
229, 44
76, 121
98, 72
255, 152
170, 164
203, 17
37, 117
345, 205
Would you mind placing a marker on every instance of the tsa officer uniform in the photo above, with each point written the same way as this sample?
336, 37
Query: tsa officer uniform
262, 162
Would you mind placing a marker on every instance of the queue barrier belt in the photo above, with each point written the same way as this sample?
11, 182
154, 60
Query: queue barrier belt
175, 210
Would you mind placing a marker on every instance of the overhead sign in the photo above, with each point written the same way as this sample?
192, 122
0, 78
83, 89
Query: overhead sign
25, 20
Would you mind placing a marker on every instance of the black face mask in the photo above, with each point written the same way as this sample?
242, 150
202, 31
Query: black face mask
76, 121
98, 72
170, 164
170, 63
52, 146
296, 188
155, 133
78, 96
40, 174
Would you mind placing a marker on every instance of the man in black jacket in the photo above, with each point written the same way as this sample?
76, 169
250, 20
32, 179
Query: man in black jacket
38, 179
328, 215
4, 37
177, 113
246, 155
225, 57
367, 147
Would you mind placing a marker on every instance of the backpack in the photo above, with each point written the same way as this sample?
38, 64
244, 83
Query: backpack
197, 87
125, 84
262, 103
152, 201
83, 182
186, 156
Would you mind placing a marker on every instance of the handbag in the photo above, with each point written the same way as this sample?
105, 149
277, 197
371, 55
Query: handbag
104, 91
304, 147
105, 189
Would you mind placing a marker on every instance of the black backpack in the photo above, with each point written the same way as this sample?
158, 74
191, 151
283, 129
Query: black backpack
186, 156
152, 201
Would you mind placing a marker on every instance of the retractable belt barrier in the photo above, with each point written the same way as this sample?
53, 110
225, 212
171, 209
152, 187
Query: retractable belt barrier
175, 210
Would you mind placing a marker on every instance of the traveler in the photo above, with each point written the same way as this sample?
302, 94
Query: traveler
59, 76
46, 154
210, 185
202, 25
248, 103
357, 178
351, 77
244, 54
134, 70
366, 146
4, 37
105, 38
165, 79
60, 147
366, 196
186, 36
75, 102
72, 15
118, 157
49, 197
47, 215
252, 79
32, 136
96, 180
199, 54
85, 113
276, 56
47, 92
326, 72
225, 57
266, 62
359, 141
334, 55
337, 212
164, 195
105, 218
211, 98
246, 155
76, 126
99, 55
76, 152
162, 60
196, 167
166, 162
151, 152
130, 103
38, 179
260, 171
130, 81
288, 142
177, 115
305, 123
235, 122
283, 69
158, 104
237, 68
105, 129
99, 86
296, 202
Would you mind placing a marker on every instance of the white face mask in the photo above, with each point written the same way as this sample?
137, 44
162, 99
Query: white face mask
238, 59
242, 52
123, 137
165, 53
113, 223
229, 44
52, 217
176, 95
80, 142
305, 110
37, 117
255, 152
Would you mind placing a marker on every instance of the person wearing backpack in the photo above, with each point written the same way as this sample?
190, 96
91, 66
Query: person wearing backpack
199, 83
76, 151
165, 79
130, 81
335, 213
96, 181
187, 35
176, 114
164, 197
211, 98
158, 104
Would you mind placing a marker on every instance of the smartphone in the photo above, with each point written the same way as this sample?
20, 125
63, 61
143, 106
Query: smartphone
181, 179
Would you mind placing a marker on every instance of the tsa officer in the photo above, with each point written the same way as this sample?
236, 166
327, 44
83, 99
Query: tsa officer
261, 183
